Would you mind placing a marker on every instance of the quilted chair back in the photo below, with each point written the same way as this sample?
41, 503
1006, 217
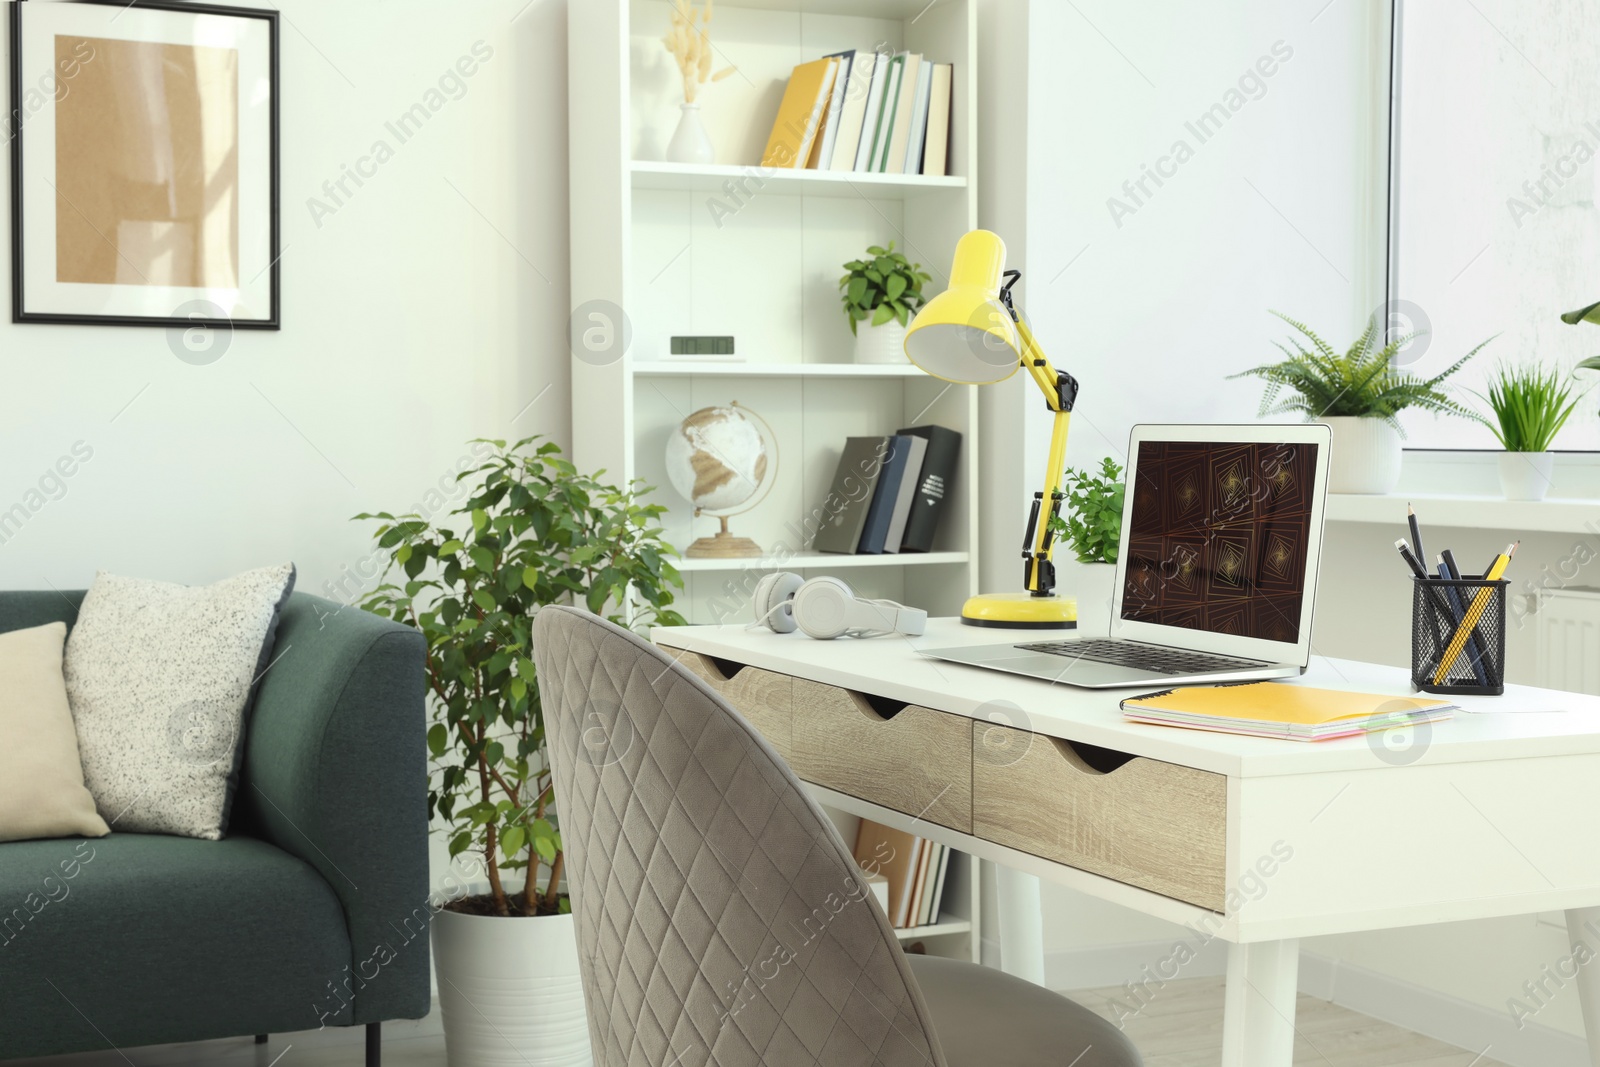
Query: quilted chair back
720, 918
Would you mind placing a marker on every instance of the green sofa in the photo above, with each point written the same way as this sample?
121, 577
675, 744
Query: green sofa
312, 912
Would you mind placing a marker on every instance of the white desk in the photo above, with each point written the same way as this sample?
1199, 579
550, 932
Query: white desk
1257, 841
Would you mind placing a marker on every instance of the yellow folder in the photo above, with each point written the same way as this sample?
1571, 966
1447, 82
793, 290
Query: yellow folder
1294, 705
800, 114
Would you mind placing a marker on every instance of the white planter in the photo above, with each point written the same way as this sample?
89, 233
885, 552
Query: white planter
690, 143
1093, 584
1366, 456
1526, 475
510, 991
881, 344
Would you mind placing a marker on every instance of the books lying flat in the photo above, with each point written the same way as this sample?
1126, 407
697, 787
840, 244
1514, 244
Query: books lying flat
1274, 709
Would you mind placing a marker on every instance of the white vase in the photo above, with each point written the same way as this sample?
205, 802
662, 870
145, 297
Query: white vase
510, 991
881, 344
690, 143
1526, 475
1093, 584
1366, 455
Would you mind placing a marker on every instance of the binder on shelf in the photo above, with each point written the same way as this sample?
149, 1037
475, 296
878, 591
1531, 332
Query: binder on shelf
880, 513
872, 112
919, 119
799, 115
936, 148
855, 481
894, 157
827, 136
852, 113
934, 487
906, 495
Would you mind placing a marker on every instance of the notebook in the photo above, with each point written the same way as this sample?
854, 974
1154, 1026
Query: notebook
1274, 709
800, 114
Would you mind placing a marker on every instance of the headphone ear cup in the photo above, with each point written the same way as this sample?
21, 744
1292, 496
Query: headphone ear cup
822, 608
774, 601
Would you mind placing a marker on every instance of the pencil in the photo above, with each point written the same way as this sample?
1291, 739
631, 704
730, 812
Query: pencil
1474, 613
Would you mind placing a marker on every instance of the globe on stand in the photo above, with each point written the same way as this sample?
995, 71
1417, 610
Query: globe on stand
717, 459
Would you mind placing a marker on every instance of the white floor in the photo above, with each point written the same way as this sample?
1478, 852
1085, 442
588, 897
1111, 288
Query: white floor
1180, 1028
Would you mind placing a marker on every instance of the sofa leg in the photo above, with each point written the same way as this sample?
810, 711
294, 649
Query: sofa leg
374, 1045
261, 1039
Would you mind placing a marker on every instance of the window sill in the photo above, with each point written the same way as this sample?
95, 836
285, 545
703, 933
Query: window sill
1551, 515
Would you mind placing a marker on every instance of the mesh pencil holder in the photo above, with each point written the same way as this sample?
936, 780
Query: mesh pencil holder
1461, 625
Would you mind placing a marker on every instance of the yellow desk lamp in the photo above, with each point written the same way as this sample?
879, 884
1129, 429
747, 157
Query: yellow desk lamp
971, 334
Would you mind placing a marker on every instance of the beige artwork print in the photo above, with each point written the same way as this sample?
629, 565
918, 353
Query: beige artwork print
147, 166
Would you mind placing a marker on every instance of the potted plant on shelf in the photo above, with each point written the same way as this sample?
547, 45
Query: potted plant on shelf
533, 532
1358, 394
1530, 405
883, 291
1092, 529
1585, 314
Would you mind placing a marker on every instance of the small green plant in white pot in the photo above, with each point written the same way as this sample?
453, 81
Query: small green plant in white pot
1358, 393
1091, 526
533, 532
880, 293
1529, 405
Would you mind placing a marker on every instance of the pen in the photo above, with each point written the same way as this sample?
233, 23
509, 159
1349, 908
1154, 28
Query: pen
1475, 653
1416, 533
1474, 613
1411, 561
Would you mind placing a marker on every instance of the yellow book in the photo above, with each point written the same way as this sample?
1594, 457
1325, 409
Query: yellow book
800, 114
1273, 709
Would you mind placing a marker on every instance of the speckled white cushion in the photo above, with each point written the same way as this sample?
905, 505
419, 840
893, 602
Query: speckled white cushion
160, 678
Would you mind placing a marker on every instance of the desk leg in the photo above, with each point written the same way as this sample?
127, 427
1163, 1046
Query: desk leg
1581, 926
1021, 924
1258, 1018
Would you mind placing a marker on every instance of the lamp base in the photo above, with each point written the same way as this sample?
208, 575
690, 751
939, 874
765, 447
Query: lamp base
723, 545
1021, 611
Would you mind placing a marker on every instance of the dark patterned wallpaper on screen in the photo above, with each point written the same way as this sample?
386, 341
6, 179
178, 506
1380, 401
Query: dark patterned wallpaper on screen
1219, 537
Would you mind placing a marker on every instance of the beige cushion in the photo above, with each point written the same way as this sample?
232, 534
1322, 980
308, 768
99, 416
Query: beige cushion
41, 780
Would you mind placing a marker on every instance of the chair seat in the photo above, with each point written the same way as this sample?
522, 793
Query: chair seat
986, 1018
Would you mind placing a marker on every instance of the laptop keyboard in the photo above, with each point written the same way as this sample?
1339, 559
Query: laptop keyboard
1153, 658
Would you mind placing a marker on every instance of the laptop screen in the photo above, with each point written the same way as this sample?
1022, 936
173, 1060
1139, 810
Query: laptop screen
1219, 537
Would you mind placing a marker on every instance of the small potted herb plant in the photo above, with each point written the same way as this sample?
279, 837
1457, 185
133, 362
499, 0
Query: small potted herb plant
880, 294
1530, 405
1358, 394
534, 531
1092, 529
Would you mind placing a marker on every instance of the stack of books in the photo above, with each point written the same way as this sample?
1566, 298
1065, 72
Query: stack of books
889, 492
1276, 709
865, 111
914, 868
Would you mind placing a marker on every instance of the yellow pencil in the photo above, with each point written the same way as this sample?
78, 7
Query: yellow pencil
1474, 613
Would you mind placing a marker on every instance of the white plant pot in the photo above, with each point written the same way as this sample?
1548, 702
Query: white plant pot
690, 142
1366, 455
510, 991
881, 344
1093, 584
1526, 475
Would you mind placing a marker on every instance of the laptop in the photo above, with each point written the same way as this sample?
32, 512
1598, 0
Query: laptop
1216, 568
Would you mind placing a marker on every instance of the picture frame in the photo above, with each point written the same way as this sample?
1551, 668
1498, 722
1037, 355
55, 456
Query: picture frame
164, 214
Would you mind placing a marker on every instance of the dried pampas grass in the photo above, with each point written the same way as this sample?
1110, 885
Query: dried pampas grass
690, 45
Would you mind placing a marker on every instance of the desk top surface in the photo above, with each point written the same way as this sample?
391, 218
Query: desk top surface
1524, 723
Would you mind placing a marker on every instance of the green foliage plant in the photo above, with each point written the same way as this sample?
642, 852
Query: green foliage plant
1530, 405
1590, 313
1092, 525
533, 532
1362, 382
883, 286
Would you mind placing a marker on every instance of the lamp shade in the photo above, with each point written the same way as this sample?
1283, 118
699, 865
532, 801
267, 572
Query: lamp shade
965, 334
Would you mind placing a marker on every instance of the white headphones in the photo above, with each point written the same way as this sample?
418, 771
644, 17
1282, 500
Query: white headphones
825, 608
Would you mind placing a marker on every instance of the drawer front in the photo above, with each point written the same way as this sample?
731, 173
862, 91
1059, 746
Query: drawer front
1150, 824
912, 759
762, 697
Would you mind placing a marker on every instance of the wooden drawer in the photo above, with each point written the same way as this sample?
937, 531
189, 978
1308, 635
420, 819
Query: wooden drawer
762, 697
912, 759
1150, 824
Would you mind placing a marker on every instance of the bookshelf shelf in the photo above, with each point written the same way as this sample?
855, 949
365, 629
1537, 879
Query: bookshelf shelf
802, 561
755, 180
686, 369
939, 929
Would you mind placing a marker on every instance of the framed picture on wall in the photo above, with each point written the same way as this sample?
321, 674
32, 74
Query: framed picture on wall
144, 164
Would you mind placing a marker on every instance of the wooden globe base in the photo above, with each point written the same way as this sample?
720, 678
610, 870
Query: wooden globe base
723, 545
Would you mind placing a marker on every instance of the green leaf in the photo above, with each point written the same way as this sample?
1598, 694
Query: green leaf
894, 286
882, 315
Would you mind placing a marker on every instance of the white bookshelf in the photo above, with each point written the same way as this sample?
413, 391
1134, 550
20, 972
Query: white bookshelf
646, 241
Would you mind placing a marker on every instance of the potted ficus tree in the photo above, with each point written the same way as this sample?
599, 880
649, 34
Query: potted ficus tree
533, 532
1358, 394
1091, 526
880, 294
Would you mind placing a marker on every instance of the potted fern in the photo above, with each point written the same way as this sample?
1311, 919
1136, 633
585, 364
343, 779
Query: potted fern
1530, 405
880, 293
1358, 394
1092, 529
533, 532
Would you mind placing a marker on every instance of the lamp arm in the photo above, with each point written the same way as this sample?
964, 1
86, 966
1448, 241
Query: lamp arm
1061, 393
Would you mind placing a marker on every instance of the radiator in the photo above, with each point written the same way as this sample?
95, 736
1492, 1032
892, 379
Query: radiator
1567, 625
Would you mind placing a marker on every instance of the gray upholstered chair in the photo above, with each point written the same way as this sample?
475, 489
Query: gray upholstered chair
721, 919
